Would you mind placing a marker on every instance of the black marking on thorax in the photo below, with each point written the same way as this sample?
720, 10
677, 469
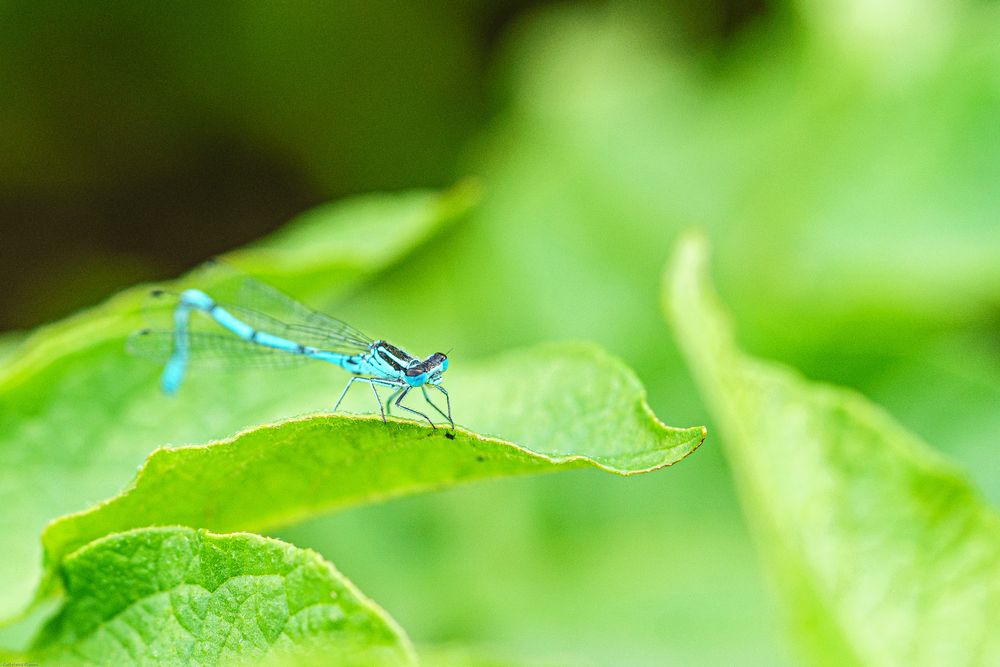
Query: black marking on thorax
393, 356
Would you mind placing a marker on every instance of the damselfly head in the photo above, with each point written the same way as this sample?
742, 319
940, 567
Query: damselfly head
436, 365
429, 370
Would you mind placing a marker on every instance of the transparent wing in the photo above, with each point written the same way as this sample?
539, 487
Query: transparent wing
272, 308
263, 308
219, 351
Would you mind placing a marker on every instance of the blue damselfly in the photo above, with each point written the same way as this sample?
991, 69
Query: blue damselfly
264, 327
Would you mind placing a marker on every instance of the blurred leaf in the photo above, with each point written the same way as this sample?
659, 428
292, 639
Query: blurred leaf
796, 162
617, 571
437, 656
11, 657
886, 552
9, 342
177, 595
334, 245
948, 392
465, 656
77, 415
585, 410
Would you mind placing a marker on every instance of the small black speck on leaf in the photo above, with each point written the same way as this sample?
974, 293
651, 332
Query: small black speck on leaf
480, 458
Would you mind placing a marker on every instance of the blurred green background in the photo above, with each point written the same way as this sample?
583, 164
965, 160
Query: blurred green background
843, 158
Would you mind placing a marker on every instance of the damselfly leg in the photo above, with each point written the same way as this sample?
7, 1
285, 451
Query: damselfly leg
392, 397
447, 402
392, 400
378, 400
372, 382
399, 404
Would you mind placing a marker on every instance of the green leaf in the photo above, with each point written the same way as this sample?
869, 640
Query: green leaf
9, 343
332, 247
466, 656
790, 154
77, 415
182, 596
949, 394
887, 554
584, 409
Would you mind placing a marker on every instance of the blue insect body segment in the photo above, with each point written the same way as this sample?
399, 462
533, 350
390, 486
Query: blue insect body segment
310, 336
